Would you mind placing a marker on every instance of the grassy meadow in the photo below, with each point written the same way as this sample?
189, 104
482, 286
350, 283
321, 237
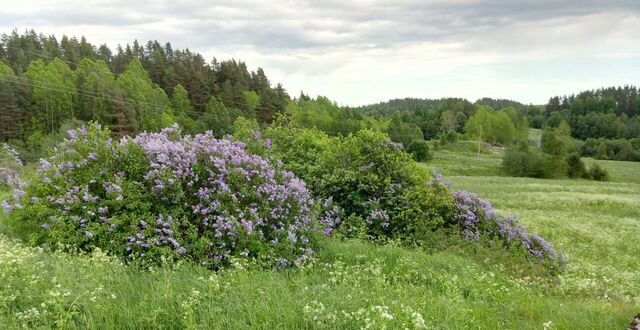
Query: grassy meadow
354, 284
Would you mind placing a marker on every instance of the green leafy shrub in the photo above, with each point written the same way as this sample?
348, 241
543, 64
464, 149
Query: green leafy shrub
419, 150
597, 173
523, 161
299, 149
575, 166
166, 196
368, 176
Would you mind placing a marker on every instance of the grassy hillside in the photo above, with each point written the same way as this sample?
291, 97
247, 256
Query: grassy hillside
354, 284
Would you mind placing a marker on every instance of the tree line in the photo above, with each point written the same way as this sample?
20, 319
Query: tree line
48, 86
45, 83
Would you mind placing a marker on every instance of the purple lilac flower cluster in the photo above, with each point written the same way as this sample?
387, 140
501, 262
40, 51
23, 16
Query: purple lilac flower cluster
477, 219
378, 216
330, 216
189, 196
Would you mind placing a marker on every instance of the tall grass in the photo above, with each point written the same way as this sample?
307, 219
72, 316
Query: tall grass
355, 284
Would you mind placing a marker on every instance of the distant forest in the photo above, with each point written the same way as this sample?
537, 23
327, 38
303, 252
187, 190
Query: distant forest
49, 85
610, 113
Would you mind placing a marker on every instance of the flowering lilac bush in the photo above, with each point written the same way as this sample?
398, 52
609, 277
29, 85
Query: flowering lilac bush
163, 195
477, 219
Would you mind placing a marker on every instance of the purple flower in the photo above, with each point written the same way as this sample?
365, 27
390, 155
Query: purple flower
477, 218
7, 207
73, 135
18, 194
44, 165
181, 251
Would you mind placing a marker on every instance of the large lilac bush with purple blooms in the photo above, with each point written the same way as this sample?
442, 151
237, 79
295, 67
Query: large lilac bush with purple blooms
167, 196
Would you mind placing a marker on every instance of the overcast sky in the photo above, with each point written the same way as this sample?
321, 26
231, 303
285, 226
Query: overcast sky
359, 52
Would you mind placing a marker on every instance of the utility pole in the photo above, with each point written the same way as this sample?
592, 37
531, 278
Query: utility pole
479, 139
539, 140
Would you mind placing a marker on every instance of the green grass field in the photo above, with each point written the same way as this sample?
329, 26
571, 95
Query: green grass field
355, 284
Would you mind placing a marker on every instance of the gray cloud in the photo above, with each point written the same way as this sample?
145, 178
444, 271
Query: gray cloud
309, 25
306, 37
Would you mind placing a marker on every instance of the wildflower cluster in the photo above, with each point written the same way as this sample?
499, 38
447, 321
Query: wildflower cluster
477, 219
163, 195
12, 154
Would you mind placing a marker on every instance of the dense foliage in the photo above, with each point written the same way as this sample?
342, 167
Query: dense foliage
371, 180
610, 115
618, 149
166, 196
376, 191
521, 160
419, 150
450, 115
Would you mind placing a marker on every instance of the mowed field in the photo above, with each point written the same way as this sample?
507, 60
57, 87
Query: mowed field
355, 284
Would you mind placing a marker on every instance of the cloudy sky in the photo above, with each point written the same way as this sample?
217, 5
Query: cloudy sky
357, 52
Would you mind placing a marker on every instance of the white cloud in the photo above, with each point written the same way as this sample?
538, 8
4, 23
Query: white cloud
365, 51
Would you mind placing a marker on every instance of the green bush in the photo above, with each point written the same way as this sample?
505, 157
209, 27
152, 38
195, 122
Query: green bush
299, 149
419, 150
601, 151
597, 173
575, 166
376, 184
368, 176
443, 140
525, 162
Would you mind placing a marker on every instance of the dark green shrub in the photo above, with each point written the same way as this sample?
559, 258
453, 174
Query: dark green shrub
443, 139
555, 167
419, 150
589, 147
601, 151
370, 177
299, 150
597, 173
523, 161
575, 166
518, 161
453, 137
